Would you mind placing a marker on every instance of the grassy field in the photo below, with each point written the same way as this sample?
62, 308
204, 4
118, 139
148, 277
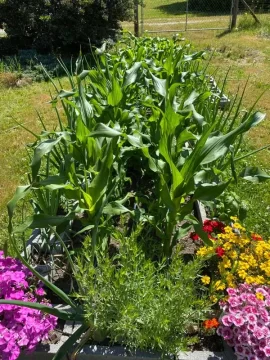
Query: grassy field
19, 105
245, 53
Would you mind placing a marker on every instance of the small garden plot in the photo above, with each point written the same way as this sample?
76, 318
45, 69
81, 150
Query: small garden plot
114, 186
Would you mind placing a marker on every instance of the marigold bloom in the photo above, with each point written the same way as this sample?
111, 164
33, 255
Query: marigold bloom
256, 237
210, 324
205, 280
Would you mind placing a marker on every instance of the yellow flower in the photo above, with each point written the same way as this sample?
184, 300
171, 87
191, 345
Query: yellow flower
234, 218
214, 299
205, 280
219, 285
242, 274
204, 251
259, 296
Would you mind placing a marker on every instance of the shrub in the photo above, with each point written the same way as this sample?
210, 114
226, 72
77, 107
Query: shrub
138, 303
21, 328
43, 24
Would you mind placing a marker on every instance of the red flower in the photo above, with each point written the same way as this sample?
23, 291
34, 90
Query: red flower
256, 237
208, 228
220, 251
194, 236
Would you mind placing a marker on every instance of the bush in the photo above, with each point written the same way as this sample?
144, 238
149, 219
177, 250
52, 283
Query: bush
43, 25
138, 303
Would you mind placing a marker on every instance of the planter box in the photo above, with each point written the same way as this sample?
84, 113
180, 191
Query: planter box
94, 352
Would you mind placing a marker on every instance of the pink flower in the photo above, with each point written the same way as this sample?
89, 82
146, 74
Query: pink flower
231, 292
238, 320
227, 320
267, 350
234, 301
258, 333
251, 318
239, 349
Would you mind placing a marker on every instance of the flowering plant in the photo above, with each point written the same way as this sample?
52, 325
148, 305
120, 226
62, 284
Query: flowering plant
245, 321
237, 256
21, 328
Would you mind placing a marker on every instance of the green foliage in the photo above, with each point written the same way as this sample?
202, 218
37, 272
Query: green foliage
43, 24
144, 136
132, 301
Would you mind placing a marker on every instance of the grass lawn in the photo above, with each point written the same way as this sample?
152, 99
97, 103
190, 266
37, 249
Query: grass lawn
21, 105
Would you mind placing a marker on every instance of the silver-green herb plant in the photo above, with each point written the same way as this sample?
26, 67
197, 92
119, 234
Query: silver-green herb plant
133, 301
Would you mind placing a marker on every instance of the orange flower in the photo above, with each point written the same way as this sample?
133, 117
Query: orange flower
210, 324
256, 237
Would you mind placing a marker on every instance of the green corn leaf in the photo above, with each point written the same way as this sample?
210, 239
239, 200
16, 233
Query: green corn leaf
132, 74
65, 94
135, 140
115, 96
192, 97
116, 208
60, 314
209, 192
42, 221
165, 195
217, 146
254, 174
20, 193
52, 180
103, 130
159, 85
42, 149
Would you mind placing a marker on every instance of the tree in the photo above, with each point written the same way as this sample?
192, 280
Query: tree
62, 24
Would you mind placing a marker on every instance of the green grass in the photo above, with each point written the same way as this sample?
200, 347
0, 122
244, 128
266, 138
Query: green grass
18, 105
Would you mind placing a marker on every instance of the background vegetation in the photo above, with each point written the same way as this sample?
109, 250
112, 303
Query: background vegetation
61, 24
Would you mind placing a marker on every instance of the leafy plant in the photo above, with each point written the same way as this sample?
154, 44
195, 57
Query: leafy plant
138, 303
146, 104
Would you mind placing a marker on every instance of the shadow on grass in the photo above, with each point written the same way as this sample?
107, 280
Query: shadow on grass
178, 8
224, 33
174, 8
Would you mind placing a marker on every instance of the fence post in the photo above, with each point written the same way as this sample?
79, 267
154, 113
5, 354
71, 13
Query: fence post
142, 17
186, 24
235, 9
136, 18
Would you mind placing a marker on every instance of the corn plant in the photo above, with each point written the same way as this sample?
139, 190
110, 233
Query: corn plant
143, 137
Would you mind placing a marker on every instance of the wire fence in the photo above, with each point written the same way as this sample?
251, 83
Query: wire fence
160, 16
186, 15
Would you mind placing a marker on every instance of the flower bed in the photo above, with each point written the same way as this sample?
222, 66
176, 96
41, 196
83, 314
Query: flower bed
143, 139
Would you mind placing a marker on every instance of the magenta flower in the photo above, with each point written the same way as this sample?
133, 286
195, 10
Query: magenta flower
20, 327
246, 322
